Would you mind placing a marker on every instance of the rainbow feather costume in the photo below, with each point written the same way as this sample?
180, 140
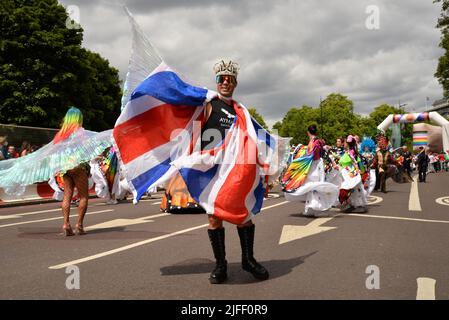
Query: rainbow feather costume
71, 146
297, 171
109, 167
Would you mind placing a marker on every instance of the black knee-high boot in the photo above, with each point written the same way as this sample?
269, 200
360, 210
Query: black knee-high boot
250, 264
217, 239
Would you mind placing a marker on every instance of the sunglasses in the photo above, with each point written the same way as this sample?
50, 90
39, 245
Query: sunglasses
230, 79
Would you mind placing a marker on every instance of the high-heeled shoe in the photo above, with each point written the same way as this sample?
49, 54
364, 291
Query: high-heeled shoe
67, 231
79, 230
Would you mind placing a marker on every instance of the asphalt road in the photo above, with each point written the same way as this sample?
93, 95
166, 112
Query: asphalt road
395, 251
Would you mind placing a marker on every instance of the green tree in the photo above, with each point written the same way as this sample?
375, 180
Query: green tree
44, 69
253, 112
334, 118
295, 123
277, 126
384, 110
442, 72
339, 119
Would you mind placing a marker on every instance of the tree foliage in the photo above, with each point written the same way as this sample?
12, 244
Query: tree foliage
44, 69
335, 118
442, 72
253, 112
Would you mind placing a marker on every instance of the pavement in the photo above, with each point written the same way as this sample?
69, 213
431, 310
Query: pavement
397, 250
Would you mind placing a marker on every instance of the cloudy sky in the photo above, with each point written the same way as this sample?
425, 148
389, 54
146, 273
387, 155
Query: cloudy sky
291, 52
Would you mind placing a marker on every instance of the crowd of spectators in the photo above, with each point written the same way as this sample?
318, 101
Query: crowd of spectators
9, 151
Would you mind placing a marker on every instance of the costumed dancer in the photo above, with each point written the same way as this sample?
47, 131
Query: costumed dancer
352, 194
67, 155
368, 152
221, 114
383, 160
227, 177
332, 157
339, 148
57, 184
304, 179
105, 171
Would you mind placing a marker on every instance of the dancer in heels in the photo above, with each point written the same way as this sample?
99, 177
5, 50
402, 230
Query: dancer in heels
68, 156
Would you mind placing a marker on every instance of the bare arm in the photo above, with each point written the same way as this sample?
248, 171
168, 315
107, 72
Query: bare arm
208, 111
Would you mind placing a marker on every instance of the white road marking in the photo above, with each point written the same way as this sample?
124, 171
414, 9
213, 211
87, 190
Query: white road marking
125, 222
274, 205
374, 200
426, 289
133, 245
290, 233
16, 215
156, 203
413, 200
138, 244
395, 218
36, 212
10, 217
443, 201
49, 219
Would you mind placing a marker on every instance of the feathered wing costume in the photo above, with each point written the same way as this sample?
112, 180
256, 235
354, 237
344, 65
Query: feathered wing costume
71, 146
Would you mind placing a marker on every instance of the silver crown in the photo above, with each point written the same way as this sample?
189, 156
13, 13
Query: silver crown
229, 68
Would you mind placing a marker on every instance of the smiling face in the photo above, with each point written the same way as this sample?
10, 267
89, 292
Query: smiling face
226, 85
338, 143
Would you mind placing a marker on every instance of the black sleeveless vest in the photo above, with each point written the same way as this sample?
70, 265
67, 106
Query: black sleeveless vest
220, 120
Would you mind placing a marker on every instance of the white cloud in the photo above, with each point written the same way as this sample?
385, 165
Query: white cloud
290, 52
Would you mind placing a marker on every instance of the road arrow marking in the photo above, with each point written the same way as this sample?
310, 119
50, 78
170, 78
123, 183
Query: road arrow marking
413, 200
124, 222
290, 233
426, 289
